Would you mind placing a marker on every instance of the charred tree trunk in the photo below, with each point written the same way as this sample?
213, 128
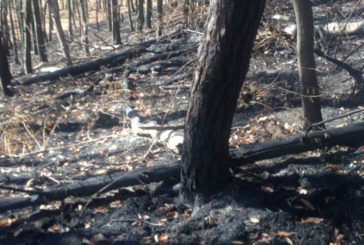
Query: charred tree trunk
27, 42
5, 74
222, 66
311, 101
115, 22
129, 14
159, 18
40, 44
148, 16
140, 20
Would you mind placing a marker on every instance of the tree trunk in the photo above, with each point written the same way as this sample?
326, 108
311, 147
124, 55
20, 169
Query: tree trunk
97, 15
53, 7
160, 18
141, 20
27, 42
40, 44
129, 14
148, 15
109, 14
13, 33
84, 13
5, 74
222, 66
311, 101
70, 14
115, 22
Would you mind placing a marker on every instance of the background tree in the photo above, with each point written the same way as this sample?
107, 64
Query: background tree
140, 17
70, 15
130, 15
84, 17
311, 101
159, 18
5, 74
222, 65
40, 42
54, 9
148, 14
27, 42
115, 22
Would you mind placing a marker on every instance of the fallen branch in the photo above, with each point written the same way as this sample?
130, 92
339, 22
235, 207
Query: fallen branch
115, 59
351, 136
355, 73
93, 185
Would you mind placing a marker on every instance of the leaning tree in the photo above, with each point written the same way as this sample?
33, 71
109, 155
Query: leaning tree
222, 66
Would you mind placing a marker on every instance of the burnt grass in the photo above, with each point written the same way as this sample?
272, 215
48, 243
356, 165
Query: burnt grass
310, 198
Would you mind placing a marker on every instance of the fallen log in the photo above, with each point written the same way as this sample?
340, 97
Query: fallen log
111, 60
94, 185
115, 59
352, 135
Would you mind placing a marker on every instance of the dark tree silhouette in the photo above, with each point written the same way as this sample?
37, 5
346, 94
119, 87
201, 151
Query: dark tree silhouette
222, 66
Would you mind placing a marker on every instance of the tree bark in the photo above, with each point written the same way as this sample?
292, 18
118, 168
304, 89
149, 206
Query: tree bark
311, 101
222, 66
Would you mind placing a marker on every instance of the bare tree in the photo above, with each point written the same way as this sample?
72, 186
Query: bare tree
70, 14
129, 14
115, 22
40, 42
54, 9
159, 18
222, 66
311, 101
5, 74
27, 42
148, 14
84, 15
140, 22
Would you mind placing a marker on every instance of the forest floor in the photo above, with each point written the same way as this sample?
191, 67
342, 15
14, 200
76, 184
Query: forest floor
58, 132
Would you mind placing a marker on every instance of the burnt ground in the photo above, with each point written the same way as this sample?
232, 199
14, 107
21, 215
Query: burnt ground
58, 132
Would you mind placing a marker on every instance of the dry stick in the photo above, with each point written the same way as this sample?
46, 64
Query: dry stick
353, 52
351, 13
356, 74
32, 136
102, 40
346, 23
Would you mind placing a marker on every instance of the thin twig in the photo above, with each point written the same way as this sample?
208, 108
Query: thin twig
332, 119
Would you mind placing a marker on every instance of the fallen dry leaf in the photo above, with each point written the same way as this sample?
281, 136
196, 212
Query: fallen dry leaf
311, 220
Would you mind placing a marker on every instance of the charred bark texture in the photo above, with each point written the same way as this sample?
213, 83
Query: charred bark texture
223, 63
